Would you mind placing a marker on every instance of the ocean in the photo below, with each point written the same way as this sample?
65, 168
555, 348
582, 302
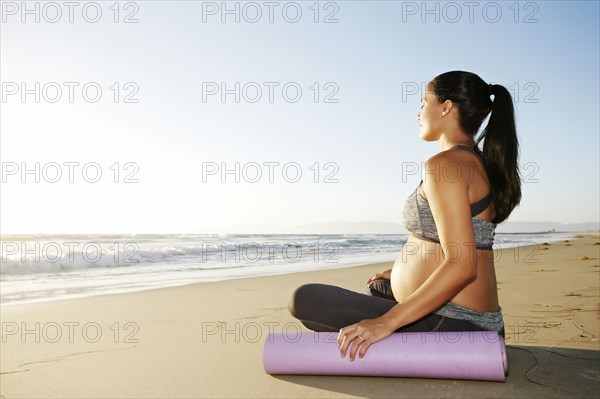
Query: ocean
39, 268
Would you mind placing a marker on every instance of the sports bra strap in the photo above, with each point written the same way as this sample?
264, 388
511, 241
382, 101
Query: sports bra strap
483, 203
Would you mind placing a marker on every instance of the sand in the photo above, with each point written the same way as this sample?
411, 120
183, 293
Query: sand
206, 340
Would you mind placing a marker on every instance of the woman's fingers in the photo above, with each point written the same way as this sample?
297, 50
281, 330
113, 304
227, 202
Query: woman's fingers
363, 348
351, 339
374, 277
360, 336
378, 276
341, 335
347, 341
344, 337
359, 342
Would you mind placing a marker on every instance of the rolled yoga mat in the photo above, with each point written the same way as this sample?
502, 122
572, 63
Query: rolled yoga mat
468, 355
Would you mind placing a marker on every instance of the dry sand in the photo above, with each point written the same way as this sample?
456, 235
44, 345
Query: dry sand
206, 340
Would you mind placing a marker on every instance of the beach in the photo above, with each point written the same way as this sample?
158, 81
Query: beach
206, 339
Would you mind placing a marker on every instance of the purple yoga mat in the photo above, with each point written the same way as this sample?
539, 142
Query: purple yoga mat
468, 355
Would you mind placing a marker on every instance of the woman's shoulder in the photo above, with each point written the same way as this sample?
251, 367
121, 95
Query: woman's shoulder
443, 156
450, 166
444, 160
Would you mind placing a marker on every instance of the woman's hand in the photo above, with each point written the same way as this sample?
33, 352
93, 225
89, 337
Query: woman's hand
382, 274
363, 334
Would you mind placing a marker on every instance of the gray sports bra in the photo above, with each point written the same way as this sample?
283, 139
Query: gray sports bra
418, 218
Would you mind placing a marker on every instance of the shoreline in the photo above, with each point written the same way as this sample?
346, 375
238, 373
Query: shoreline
358, 260
191, 340
196, 283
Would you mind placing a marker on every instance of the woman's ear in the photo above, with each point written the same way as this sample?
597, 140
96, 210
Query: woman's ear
447, 106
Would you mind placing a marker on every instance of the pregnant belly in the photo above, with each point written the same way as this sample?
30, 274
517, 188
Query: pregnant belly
417, 261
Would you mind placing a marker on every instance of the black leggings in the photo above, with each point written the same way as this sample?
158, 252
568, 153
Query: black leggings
327, 308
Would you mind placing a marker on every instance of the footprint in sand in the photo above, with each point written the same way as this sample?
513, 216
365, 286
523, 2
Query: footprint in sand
584, 292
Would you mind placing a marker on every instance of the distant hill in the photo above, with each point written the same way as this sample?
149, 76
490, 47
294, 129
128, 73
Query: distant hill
340, 227
535, 227
372, 227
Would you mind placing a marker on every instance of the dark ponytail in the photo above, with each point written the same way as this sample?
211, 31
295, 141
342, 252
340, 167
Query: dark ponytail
500, 152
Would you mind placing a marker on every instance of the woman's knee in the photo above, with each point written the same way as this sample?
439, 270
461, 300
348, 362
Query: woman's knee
303, 299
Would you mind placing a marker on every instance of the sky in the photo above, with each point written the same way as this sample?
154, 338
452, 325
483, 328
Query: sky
137, 117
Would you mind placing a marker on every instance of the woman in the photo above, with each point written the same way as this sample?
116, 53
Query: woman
444, 278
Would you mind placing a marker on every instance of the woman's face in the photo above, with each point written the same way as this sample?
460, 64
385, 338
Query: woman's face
430, 120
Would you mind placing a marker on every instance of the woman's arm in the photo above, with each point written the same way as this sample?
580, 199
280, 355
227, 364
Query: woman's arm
448, 199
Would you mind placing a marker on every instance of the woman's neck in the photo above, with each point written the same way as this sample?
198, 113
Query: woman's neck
447, 144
